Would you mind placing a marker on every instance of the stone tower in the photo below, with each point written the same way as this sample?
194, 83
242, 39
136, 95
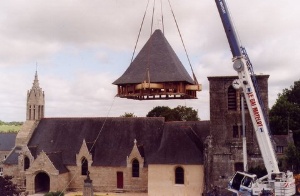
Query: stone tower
226, 130
35, 101
35, 109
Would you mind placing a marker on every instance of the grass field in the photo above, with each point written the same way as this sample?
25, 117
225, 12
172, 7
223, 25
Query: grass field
10, 128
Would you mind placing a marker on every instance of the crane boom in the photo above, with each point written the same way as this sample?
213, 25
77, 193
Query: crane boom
245, 83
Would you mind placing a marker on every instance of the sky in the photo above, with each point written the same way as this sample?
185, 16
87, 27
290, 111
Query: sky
79, 48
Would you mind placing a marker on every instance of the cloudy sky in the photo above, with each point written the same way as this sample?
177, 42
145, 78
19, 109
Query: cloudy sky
81, 47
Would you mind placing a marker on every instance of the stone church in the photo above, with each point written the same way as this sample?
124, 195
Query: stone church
136, 154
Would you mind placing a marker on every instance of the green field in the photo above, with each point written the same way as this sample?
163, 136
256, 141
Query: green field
10, 128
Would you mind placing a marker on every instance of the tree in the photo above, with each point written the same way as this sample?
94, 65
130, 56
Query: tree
292, 158
128, 115
180, 113
161, 111
285, 113
7, 188
186, 113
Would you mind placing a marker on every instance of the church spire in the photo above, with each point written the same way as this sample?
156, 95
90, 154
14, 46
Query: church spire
35, 101
36, 81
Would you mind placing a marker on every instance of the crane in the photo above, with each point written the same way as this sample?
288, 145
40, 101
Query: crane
275, 182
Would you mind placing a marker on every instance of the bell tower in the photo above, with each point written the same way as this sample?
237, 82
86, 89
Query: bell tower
35, 110
35, 101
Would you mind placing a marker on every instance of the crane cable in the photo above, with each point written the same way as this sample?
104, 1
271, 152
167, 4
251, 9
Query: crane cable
162, 17
77, 171
137, 40
194, 76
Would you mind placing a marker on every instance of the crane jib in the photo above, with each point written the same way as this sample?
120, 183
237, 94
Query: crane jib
255, 110
229, 29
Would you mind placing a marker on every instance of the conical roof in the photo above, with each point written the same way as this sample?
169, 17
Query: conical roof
158, 56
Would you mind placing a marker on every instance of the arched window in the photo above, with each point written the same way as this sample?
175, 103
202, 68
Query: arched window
135, 168
26, 163
179, 175
84, 166
232, 102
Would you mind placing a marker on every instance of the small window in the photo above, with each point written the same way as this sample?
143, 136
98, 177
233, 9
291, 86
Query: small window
279, 149
235, 131
1, 171
84, 167
179, 175
135, 168
26, 163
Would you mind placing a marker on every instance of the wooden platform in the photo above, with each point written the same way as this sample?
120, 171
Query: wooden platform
159, 91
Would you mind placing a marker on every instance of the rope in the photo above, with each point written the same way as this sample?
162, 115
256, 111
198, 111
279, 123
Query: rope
162, 17
137, 40
149, 47
98, 135
194, 76
153, 9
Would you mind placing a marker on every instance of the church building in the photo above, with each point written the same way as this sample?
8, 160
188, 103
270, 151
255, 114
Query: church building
137, 154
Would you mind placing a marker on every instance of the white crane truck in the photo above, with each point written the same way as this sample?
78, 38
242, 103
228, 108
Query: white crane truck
242, 183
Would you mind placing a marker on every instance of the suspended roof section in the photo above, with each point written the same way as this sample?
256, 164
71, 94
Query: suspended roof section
159, 58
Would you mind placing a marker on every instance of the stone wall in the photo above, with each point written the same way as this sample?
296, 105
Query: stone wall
162, 180
105, 179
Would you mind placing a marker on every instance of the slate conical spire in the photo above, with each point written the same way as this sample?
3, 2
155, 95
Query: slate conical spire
156, 73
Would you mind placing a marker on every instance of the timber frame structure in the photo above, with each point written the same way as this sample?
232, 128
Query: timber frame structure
157, 73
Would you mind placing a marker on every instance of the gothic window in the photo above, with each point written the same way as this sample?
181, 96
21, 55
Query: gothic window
179, 175
84, 166
33, 112
135, 168
29, 115
26, 163
232, 102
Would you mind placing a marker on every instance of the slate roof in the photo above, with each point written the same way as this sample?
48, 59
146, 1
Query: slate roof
7, 141
163, 63
182, 142
160, 142
12, 158
282, 140
56, 159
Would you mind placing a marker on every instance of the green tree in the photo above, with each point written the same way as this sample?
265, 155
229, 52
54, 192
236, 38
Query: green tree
128, 115
186, 113
180, 113
7, 188
161, 111
292, 158
285, 113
